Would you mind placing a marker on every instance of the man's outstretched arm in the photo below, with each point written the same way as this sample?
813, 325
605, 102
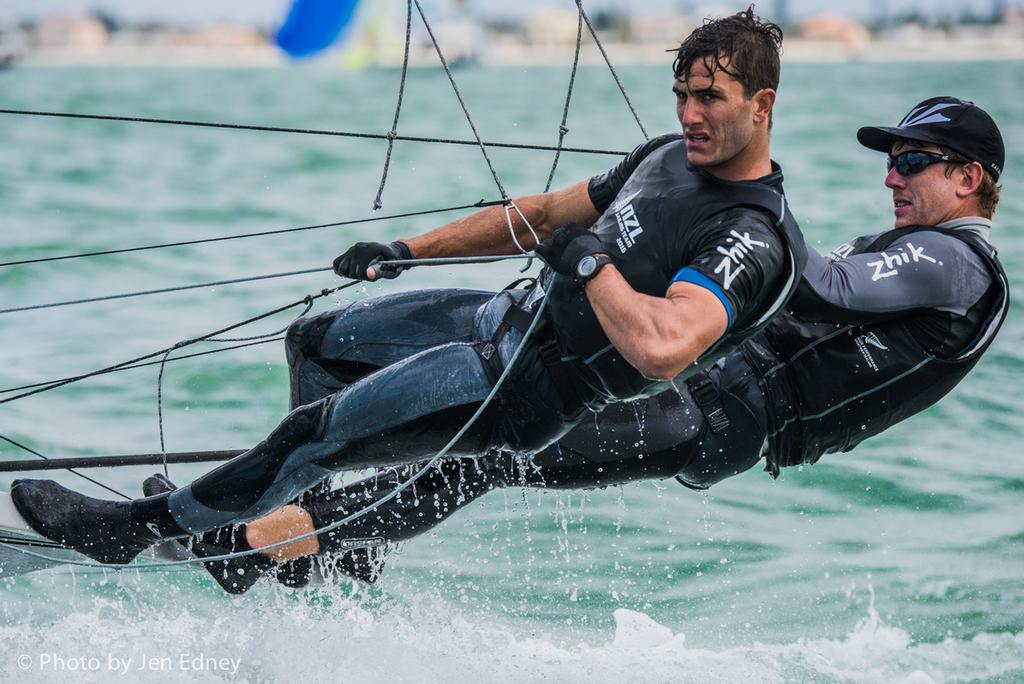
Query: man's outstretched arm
486, 232
483, 233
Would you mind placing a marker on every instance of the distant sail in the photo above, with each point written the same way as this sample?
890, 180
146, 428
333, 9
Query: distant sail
314, 25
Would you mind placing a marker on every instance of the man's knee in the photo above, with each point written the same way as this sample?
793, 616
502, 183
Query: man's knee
304, 424
304, 337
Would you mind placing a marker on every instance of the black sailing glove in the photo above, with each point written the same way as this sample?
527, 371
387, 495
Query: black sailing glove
363, 255
563, 250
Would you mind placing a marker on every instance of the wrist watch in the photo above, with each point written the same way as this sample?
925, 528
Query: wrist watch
588, 266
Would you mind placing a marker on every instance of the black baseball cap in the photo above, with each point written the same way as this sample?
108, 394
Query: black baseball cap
962, 126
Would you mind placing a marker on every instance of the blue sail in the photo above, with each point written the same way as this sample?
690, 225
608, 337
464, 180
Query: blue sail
313, 25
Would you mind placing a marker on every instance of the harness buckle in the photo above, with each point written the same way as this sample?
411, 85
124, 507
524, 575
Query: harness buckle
704, 392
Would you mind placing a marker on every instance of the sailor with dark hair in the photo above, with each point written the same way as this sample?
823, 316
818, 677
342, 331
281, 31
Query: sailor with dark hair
879, 330
655, 271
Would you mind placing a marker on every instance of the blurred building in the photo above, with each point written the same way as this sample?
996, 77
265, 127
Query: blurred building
224, 35
71, 32
551, 26
835, 28
662, 29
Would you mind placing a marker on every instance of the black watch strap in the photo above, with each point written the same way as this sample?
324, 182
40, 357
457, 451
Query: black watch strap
597, 261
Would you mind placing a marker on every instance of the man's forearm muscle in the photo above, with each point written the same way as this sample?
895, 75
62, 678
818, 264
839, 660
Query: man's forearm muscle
486, 233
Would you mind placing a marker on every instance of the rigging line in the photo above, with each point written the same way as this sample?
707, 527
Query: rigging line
562, 130
622, 89
160, 410
307, 300
163, 364
462, 102
269, 276
145, 357
309, 131
370, 219
165, 290
70, 470
393, 133
144, 365
274, 334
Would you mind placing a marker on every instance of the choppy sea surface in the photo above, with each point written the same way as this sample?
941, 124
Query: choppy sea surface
900, 562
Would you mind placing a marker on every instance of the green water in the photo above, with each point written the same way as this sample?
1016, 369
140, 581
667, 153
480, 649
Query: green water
901, 561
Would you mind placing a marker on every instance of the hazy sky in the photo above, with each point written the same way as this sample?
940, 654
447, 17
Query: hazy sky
269, 13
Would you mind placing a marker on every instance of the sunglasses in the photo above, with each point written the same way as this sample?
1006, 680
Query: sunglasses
913, 162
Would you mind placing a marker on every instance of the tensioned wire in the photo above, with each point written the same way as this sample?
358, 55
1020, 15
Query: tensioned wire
239, 236
393, 133
171, 359
145, 357
308, 131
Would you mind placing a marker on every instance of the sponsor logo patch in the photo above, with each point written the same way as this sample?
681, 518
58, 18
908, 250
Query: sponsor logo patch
361, 543
869, 340
888, 265
739, 247
629, 225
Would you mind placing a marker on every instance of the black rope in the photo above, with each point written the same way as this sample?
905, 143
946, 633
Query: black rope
67, 381
622, 89
476, 205
144, 365
307, 131
163, 364
179, 288
393, 133
274, 334
462, 102
562, 130
70, 470
160, 409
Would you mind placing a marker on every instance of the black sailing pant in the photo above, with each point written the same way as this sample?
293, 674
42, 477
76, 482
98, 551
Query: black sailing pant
399, 376
661, 437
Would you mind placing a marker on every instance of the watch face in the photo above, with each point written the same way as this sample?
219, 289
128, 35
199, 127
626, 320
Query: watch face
586, 266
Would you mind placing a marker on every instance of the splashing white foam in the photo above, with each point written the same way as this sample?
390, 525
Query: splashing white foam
274, 636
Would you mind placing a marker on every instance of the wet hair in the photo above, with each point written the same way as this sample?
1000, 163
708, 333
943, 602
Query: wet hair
748, 45
988, 196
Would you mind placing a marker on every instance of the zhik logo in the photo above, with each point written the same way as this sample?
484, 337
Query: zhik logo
734, 255
886, 267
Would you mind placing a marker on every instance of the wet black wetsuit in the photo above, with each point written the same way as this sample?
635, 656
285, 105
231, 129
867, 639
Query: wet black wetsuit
663, 221
934, 285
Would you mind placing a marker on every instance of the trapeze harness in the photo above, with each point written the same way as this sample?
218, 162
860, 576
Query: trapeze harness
811, 417
647, 230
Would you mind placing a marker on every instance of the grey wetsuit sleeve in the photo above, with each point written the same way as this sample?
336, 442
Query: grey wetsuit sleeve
604, 187
922, 270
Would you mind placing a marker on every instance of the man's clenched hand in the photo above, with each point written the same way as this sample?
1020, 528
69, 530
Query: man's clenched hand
564, 249
368, 260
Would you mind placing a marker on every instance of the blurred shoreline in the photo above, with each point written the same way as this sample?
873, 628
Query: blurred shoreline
545, 37
796, 50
